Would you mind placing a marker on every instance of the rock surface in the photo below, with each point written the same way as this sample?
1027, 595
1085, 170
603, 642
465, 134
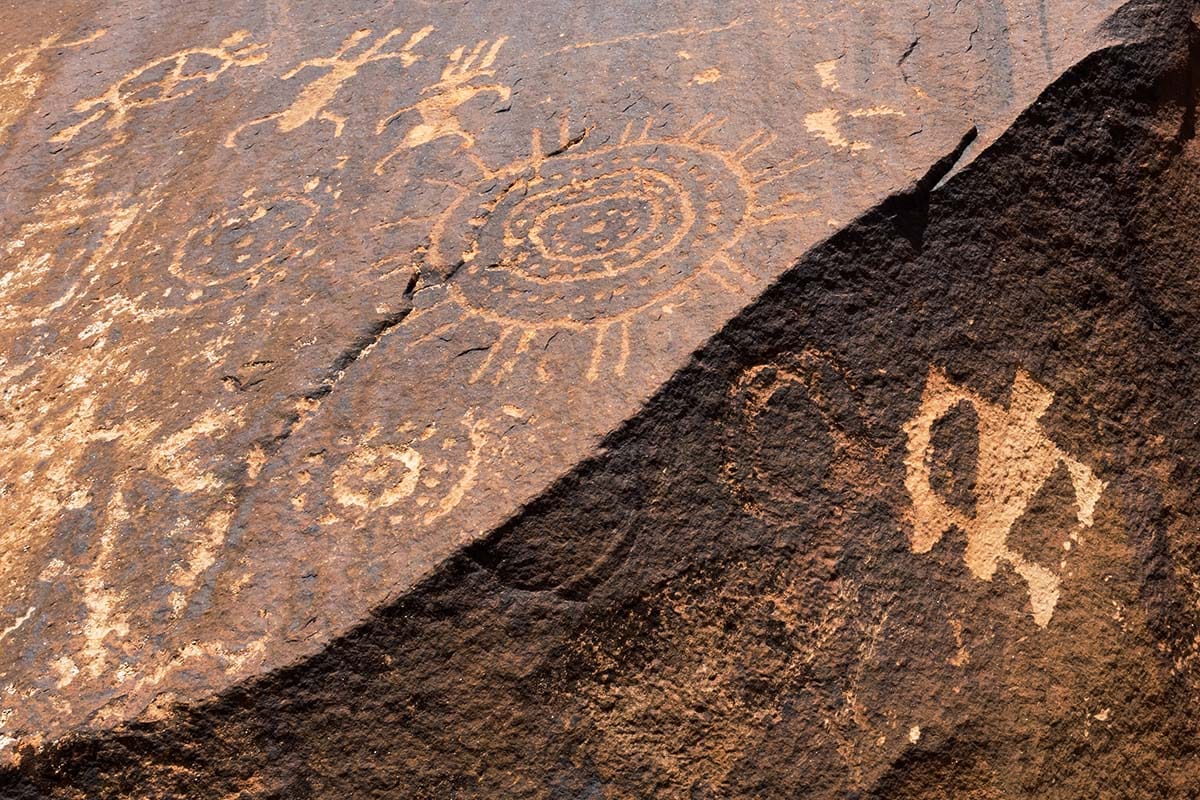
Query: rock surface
416, 400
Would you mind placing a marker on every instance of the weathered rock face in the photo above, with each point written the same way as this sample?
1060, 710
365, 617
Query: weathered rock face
363, 343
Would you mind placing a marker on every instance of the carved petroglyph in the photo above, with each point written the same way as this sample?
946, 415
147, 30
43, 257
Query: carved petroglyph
690, 34
375, 477
163, 80
438, 106
796, 429
17, 623
1015, 460
19, 80
429, 471
312, 103
827, 73
41, 248
257, 236
828, 124
589, 237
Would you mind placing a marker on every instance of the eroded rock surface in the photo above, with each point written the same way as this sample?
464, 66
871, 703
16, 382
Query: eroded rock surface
360, 342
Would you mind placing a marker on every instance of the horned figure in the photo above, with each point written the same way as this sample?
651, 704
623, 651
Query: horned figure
314, 98
1016, 458
439, 101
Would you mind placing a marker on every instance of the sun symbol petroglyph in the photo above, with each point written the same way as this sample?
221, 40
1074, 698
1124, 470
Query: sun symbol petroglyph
588, 237
246, 242
1016, 458
313, 100
439, 102
19, 81
165, 79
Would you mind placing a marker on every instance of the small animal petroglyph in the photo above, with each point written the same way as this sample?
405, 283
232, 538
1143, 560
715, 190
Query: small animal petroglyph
164, 79
1016, 458
827, 125
313, 100
440, 101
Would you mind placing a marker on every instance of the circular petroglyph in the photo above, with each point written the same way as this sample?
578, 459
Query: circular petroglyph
377, 477
795, 438
597, 233
244, 242
421, 478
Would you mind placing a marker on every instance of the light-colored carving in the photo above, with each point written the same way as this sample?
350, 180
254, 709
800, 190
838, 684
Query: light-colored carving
375, 477
690, 34
588, 238
313, 100
245, 242
19, 80
18, 622
428, 470
827, 124
164, 79
827, 72
1016, 458
439, 102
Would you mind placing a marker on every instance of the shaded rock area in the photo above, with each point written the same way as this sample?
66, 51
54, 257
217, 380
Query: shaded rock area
920, 522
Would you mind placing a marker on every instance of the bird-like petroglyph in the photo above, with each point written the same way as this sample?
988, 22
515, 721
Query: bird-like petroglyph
163, 80
1016, 458
312, 103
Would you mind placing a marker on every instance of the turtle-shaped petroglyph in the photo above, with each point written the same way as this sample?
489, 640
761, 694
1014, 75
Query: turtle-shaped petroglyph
163, 80
1016, 458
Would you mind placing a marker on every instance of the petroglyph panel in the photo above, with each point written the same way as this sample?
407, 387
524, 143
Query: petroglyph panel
299, 300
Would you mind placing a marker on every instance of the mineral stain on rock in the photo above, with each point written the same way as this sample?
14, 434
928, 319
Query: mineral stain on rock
749, 400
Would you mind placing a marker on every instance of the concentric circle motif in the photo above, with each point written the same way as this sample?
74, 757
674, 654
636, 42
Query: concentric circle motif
243, 242
594, 234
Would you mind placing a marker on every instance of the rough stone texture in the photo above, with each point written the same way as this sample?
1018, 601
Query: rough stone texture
346, 454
